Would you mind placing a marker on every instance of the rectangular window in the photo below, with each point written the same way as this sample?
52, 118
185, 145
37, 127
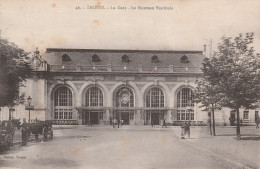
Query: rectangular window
61, 115
187, 116
183, 116
56, 115
100, 115
131, 116
70, 115
246, 115
178, 116
65, 115
192, 116
148, 116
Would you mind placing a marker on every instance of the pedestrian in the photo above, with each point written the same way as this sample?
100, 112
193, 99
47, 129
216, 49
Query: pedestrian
257, 122
241, 121
164, 123
183, 131
24, 132
187, 129
152, 123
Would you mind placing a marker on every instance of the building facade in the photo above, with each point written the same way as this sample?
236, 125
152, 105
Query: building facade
135, 87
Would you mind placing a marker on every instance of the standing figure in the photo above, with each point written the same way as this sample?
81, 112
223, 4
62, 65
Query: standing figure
257, 122
183, 133
24, 131
164, 123
187, 129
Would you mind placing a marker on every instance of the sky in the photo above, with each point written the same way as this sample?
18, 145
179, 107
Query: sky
188, 25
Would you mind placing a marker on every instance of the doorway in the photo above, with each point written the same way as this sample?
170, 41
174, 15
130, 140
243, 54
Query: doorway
155, 118
125, 117
90, 117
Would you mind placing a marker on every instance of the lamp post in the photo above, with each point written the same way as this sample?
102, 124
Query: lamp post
29, 107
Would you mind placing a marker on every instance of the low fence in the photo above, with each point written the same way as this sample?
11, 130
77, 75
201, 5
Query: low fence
193, 123
64, 122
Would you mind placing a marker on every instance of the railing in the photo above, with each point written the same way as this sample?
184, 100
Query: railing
120, 68
64, 122
193, 123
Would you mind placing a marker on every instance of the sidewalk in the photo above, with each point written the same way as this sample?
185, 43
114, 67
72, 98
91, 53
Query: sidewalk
244, 153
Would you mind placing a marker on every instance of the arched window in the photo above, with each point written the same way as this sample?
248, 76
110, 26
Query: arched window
185, 104
62, 103
124, 97
155, 98
94, 97
66, 58
155, 59
184, 98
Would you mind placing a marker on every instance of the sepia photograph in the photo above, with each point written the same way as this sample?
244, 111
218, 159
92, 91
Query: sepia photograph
141, 84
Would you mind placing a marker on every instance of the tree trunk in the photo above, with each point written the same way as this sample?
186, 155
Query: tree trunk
238, 125
10, 113
213, 119
209, 123
210, 126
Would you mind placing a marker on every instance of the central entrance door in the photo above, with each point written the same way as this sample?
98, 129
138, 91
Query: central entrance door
91, 117
94, 117
155, 118
125, 117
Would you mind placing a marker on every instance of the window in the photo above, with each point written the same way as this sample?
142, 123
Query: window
184, 59
185, 115
101, 114
155, 98
125, 59
124, 97
131, 116
178, 116
148, 115
184, 98
246, 115
94, 97
66, 58
155, 59
62, 103
95, 58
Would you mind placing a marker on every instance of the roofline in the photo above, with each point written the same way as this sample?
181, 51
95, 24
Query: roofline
120, 50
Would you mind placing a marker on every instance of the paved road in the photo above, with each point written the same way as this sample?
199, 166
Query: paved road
113, 148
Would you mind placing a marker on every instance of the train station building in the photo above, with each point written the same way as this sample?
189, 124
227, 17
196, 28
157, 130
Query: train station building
137, 87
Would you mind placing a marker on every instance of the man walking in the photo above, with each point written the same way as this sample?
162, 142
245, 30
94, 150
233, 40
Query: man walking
164, 123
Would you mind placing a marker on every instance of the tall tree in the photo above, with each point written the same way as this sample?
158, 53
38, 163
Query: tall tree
208, 93
233, 70
14, 69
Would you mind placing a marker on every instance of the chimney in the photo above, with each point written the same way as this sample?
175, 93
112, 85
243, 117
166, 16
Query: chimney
205, 49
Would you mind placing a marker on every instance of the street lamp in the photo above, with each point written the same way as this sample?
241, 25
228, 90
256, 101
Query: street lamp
29, 100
